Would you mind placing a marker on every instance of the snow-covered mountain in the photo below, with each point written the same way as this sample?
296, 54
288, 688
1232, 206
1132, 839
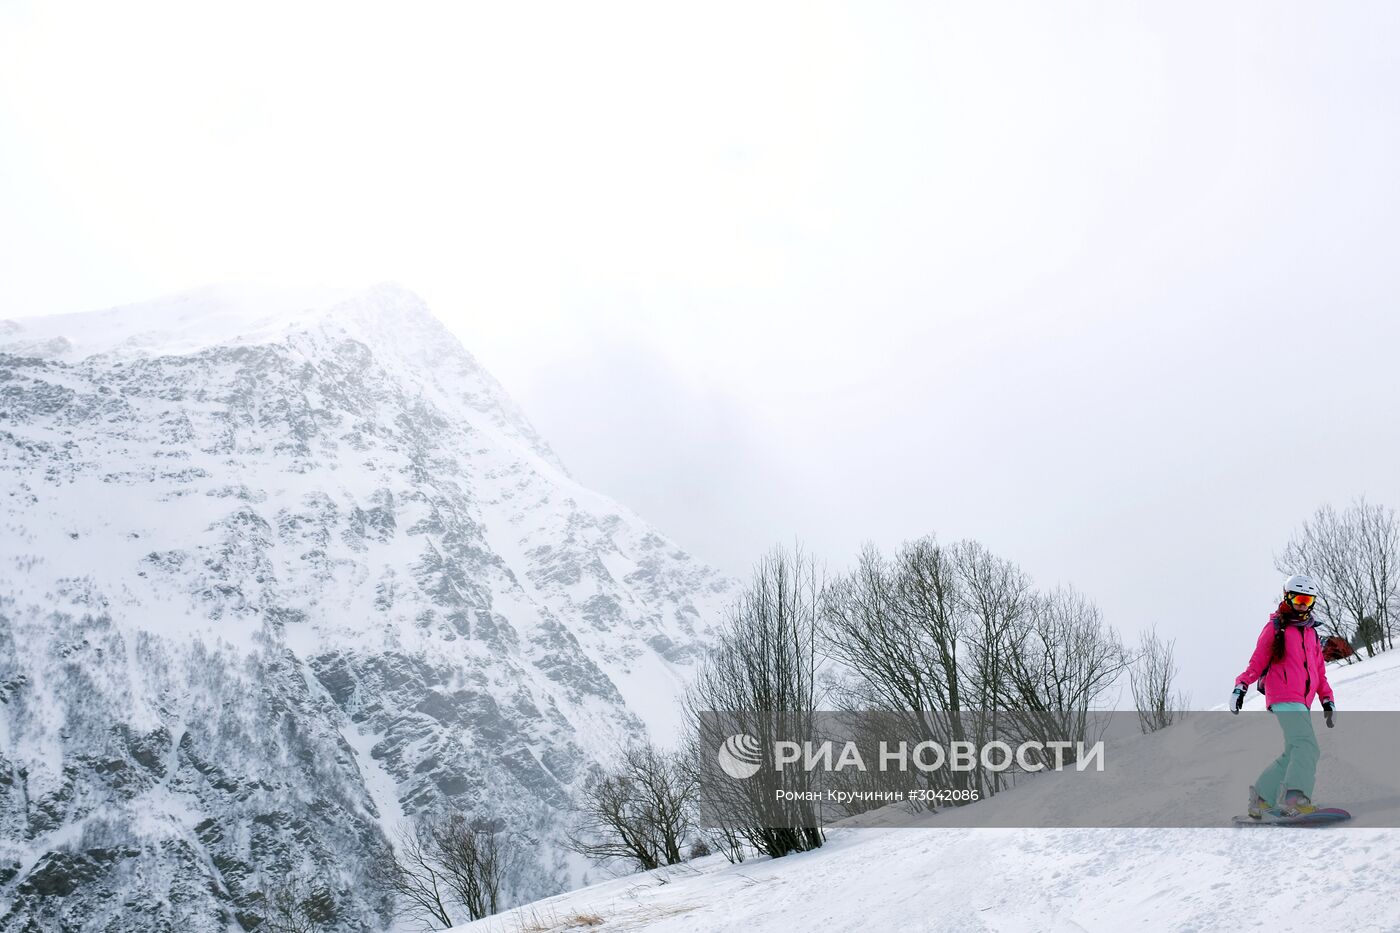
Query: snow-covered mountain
950, 875
277, 571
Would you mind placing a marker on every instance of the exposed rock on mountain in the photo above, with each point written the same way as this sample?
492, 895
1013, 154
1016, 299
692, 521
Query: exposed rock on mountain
278, 572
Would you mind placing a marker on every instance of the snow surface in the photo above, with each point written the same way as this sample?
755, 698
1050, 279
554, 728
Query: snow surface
947, 877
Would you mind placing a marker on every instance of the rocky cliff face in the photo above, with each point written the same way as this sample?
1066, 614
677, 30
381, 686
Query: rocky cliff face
278, 574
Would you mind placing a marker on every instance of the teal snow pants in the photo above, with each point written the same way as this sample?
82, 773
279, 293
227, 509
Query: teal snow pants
1296, 768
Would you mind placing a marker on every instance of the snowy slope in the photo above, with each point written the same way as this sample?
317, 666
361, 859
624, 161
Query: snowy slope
279, 570
956, 878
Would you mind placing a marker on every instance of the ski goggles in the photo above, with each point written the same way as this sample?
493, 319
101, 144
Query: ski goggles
1301, 600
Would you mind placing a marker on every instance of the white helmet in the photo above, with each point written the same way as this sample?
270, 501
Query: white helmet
1301, 583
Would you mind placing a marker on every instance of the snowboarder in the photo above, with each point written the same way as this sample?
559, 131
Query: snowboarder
1288, 659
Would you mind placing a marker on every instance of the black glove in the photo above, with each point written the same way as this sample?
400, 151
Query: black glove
1238, 693
1327, 707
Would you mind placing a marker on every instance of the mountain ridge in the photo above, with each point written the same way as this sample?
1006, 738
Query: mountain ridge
329, 548
385, 315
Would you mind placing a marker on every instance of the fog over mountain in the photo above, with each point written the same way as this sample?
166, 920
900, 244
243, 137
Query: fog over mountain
282, 570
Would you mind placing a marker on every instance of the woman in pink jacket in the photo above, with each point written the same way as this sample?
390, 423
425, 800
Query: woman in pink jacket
1288, 656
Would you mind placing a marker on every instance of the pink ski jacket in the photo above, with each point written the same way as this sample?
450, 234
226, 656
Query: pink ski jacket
1299, 676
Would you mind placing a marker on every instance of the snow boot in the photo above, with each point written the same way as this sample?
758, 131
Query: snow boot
1257, 804
1294, 803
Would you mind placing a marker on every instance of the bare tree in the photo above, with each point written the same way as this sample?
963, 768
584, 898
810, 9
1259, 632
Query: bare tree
997, 597
1065, 664
862, 630
1369, 635
728, 840
475, 857
294, 908
1152, 674
1379, 536
895, 627
640, 811
1355, 557
725, 836
761, 676
410, 873
935, 636
447, 866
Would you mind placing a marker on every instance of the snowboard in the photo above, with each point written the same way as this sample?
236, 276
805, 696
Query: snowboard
1324, 816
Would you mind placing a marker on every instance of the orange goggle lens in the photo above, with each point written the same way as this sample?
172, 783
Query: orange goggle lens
1301, 600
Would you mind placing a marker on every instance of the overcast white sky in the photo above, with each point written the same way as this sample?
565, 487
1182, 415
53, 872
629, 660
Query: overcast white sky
1108, 286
